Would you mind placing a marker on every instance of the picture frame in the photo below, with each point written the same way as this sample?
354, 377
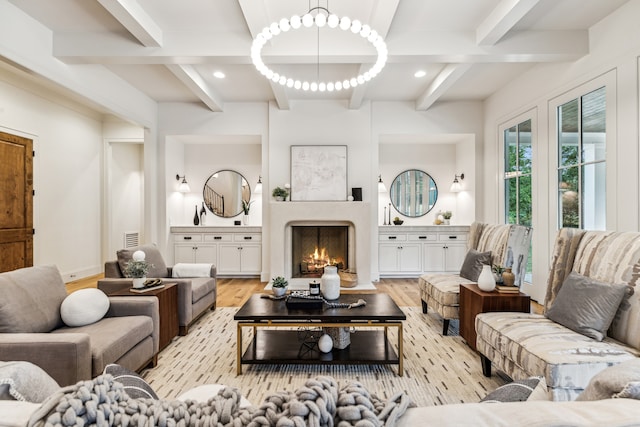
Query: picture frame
318, 172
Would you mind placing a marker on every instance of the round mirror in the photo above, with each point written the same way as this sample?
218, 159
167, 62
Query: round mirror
224, 192
413, 193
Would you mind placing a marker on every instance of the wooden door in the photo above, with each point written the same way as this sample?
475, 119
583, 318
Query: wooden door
16, 202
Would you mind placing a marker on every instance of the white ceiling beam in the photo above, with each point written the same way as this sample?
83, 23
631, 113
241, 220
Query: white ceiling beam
280, 95
443, 82
134, 18
502, 19
382, 15
194, 81
358, 92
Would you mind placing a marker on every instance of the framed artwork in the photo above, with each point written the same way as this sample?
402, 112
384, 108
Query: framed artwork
319, 172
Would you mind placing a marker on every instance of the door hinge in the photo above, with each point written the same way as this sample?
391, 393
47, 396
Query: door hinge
33, 192
33, 153
33, 231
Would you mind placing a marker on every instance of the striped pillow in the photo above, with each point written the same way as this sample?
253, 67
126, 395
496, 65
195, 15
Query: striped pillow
134, 385
532, 388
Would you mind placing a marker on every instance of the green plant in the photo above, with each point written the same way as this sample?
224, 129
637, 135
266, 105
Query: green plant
279, 282
137, 269
498, 269
246, 205
280, 192
447, 214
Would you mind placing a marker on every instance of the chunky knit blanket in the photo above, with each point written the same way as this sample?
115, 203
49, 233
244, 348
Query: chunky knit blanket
320, 402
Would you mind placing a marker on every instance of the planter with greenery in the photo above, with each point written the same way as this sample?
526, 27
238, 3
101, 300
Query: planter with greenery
137, 269
279, 286
280, 193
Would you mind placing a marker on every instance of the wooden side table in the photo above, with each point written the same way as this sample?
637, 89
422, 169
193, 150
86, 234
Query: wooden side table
474, 301
168, 307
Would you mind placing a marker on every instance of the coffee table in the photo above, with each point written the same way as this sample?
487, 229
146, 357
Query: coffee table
284, 341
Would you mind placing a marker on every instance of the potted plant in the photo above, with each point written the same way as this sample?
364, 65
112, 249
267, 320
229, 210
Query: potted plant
279, 286
280, 193
397, 221
497, 272
137, 269
246, 205
447, 217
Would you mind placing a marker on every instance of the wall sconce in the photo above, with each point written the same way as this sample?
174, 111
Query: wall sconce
184, 186
456, 187
381, 187
258, 189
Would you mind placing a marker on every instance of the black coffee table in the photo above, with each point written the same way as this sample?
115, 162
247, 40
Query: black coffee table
287, 339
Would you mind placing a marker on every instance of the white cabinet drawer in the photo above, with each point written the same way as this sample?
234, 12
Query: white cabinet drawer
178, 238
218, 237
453, 237
393, 237
423, 237
248, 237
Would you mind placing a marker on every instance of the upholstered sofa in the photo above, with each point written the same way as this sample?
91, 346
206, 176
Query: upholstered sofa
195, 294
32, 328
521, 344
509, 246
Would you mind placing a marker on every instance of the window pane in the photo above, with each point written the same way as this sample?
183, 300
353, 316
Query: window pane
568, 136
524, 199
594, 196
594, 126
510, 145
511, 198
524, 147
568, 197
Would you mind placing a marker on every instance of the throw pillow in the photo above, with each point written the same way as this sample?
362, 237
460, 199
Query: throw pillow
473, 262
157, 268
586, 306
26, 382
533, 388
84, 307
612, 380
135, 386
630, 391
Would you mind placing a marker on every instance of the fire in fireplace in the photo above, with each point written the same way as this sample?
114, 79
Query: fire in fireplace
313, 247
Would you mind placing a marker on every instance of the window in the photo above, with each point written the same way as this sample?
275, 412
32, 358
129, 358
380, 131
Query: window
581, 134
517, 179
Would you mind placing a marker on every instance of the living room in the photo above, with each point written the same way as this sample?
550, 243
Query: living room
107, 154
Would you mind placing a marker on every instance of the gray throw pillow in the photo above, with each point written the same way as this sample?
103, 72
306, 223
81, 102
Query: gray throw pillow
473, 262
533, 388
26, 382
586, 306
134, 385
612, 381
152, 256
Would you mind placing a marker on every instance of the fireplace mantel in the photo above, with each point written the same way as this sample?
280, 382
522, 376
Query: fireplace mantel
284, 214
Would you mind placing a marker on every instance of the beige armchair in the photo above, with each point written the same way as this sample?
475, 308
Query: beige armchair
195, 295
31, 328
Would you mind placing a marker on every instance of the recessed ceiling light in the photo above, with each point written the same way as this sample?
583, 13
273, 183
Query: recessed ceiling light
420, 73
219, 74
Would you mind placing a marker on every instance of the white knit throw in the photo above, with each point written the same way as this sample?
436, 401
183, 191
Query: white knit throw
103, 402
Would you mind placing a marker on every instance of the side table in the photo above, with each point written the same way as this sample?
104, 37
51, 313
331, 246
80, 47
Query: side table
168, 307
474, 301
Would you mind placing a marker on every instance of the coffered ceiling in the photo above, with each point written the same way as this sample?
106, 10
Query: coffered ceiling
170, 49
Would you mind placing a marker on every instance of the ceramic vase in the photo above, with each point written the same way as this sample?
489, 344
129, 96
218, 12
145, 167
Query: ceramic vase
330, 282
138, 282
486, 281
245, 219
279, 291
508, 278
196, 218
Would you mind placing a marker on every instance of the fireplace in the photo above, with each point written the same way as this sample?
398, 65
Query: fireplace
314, 246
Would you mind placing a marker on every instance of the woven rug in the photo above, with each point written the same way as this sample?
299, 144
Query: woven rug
437, 370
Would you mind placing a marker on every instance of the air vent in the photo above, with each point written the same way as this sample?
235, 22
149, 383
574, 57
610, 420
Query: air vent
131, 239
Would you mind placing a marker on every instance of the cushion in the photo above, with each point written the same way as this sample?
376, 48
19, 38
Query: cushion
16, 414
84, 307
533, 388
473, 262
30, 299
586, 306
153, 256
612, 381
630, 391
135, 386
203, 393
183, 269
26, 382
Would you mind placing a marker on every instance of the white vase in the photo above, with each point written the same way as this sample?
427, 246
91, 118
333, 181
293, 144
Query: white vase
278, 292
330, 282
245, 219
486, 281
138, 282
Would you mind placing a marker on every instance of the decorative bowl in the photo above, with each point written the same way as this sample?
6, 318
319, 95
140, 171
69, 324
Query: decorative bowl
398, 222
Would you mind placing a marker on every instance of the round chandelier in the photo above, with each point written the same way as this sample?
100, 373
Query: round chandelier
322, 18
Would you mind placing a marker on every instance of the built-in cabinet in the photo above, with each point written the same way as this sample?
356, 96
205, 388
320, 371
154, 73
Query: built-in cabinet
413, 250
233, 250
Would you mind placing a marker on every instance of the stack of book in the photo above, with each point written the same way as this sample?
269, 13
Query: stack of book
507, 289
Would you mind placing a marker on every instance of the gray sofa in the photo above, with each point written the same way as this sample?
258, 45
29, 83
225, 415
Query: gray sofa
521, 344
31, 328
509, 246
195, 295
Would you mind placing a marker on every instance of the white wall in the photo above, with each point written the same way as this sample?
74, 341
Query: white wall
615, 48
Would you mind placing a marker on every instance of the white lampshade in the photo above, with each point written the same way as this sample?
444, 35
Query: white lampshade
258, 189
381, 187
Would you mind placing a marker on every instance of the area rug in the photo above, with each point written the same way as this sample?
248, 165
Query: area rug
437, 370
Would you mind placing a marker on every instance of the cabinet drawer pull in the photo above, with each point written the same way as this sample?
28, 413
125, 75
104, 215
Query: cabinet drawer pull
247, 237
422, 237
187, 237
217, 237
392, 237
453, 237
